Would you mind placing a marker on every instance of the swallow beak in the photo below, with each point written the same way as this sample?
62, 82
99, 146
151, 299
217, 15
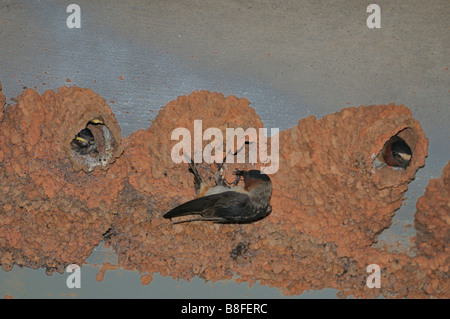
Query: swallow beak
82, 140
96, 121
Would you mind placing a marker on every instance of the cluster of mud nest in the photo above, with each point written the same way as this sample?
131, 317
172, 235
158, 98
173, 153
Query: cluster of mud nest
329, 202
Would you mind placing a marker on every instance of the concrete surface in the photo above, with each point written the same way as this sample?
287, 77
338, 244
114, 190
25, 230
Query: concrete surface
291, 59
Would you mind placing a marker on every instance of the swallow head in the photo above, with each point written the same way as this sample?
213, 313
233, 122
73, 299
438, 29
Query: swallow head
84, 142
401, 152
256, 182
397, 153
85, 136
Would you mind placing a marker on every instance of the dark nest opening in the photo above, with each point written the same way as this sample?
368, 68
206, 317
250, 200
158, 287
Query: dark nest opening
93, 145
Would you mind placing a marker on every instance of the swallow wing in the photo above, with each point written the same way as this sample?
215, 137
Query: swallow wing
218, 207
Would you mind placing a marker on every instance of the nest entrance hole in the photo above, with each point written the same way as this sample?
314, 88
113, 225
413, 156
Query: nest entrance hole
93, 145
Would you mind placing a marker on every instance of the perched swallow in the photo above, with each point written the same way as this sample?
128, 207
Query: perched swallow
224, 204
396, 152
84, 143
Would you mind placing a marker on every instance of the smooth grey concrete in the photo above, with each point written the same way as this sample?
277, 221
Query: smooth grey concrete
291, 59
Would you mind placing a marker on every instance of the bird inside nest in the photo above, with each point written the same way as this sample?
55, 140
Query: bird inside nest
84, 142
395, 153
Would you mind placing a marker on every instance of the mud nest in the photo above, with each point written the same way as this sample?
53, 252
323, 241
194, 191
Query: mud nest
329, 202
433, 234
52, 213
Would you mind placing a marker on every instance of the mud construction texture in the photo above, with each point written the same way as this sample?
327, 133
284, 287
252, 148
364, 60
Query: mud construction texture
52, 214
329, 202
432, 222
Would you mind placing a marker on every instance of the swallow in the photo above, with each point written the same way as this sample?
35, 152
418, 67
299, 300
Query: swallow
84, 143
224, 204
396, 153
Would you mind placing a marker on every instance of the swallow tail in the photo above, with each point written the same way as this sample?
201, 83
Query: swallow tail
195, 206
212, 207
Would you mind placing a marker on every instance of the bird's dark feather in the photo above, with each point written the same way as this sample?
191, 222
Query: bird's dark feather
226, 205
400, 146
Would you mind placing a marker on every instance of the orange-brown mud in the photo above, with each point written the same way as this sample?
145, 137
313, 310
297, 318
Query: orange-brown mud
432, 222
51, 213
329, 203
105, 267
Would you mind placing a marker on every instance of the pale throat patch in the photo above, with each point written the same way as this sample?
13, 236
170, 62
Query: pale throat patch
404, 156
